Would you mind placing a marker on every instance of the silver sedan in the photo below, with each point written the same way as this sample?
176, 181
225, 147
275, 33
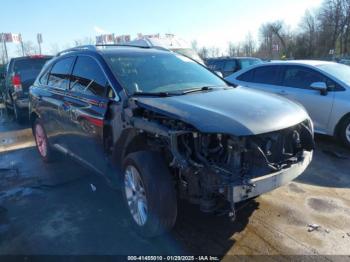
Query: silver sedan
323, 88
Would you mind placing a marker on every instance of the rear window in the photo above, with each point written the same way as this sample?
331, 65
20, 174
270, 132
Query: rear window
244, 63
216, 65
29, 68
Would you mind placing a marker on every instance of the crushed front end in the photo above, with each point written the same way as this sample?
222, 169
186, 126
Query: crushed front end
214, 169
218, 170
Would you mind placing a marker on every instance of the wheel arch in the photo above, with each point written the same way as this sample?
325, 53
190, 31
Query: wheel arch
32, 117
338, 125
130, 141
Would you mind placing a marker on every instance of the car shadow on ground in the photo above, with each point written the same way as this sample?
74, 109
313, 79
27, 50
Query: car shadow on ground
7, 122
208, 233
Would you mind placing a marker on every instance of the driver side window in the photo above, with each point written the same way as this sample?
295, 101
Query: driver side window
88, 77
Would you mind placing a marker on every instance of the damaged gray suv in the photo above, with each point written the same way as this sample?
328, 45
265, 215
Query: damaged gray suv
162, 127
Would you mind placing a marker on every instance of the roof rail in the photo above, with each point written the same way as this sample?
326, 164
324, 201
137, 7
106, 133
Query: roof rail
77, 48
108, 45
94, 47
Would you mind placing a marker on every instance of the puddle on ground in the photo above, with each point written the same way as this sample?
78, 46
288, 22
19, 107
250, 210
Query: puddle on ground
295, 188
17, 193
323, 205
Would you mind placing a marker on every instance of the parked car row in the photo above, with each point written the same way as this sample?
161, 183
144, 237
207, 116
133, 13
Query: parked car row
19, 75
323, 88
229, 65
162, 126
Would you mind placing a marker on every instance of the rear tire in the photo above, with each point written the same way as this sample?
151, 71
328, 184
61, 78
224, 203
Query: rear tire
151, 201
18, 114
42, 143
344, 132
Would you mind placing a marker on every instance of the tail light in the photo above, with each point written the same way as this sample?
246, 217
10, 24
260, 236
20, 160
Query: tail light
16, 82
36, 56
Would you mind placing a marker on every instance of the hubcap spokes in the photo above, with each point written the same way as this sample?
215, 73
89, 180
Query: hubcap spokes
40, 140
135, 195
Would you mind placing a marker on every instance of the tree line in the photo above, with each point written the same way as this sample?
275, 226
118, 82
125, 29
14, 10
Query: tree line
322, 34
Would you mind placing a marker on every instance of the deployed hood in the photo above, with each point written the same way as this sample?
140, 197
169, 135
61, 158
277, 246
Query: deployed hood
237, 111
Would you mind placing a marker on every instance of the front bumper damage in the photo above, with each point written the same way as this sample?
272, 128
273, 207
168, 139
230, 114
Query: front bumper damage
260, 185
216, 171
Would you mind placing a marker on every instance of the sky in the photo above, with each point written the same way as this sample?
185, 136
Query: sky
211, 23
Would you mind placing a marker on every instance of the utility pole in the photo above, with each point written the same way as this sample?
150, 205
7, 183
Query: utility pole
39, 37
21, 42
4, 45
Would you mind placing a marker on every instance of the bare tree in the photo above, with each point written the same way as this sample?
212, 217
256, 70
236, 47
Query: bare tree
309, 32
214, 51
194, 45
249, 45
234, 49
26, 48
203, 52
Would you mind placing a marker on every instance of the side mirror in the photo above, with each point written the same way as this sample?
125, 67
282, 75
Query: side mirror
219, 73
320, 86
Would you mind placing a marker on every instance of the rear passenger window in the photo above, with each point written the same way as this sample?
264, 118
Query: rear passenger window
44, 77
59, 75
266, 75
217, 65
230, 65
88, 77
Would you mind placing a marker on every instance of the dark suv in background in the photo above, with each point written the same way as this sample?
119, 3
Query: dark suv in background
2, 80
20, 74
163, 126
229, 65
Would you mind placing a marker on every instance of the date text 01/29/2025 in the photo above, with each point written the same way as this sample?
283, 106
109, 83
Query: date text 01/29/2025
173, 258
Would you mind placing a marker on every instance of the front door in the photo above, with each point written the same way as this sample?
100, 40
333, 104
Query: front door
87, 103
296, 83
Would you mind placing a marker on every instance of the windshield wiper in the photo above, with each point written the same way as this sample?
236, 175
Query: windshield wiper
203, 88
161, 94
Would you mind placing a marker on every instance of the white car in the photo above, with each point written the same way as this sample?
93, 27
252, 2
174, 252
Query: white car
323, 88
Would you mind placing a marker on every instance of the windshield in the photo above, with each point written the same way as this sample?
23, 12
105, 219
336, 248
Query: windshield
189, 53
339, 71
160, 72
244, 63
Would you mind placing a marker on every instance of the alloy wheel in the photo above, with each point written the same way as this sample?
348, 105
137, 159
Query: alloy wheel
135, 195
347, 132
41, 141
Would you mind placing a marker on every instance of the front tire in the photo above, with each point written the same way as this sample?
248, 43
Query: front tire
344, 132
149, 193
42, 143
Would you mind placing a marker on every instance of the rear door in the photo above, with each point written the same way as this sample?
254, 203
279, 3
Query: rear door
87, 101
55, 84
296, 84
265, 78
